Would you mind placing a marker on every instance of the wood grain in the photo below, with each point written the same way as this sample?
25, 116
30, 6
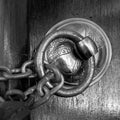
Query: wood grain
101, 101
14, 45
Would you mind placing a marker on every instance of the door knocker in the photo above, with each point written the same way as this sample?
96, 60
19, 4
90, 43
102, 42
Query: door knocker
73, 55
87, 41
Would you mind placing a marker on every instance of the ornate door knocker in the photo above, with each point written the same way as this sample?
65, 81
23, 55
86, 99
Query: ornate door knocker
73, 55
80, 49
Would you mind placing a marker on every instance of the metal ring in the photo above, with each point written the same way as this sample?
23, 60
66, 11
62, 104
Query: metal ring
39, 60
55, 71
24, 66
4, 69
15, 92
29, 91
91, 29
18, 76
43, 81
75, 90
43, 99
59, 86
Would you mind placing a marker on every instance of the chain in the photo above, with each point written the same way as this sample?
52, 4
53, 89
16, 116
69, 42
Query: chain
16, 73
37, 94
7, 74
41, 91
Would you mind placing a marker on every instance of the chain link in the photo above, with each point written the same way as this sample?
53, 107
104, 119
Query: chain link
7, 74
25, 67
4, 69
42, 90
16, 92
16, 73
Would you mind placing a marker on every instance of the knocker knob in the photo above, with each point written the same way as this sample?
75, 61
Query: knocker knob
61, 53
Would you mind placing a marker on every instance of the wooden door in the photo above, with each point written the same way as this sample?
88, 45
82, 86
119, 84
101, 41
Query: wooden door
101, 101
21, 30
14, 45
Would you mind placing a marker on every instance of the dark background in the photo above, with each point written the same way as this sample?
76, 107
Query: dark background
22, 25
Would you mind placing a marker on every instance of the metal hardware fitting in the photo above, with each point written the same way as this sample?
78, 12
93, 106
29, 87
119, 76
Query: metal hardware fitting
87, 28
40, 91
75, 37
71, 49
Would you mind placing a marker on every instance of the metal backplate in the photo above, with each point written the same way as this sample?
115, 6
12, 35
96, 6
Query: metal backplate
88, 28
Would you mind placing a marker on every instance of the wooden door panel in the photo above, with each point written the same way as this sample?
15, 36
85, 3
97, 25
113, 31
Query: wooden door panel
14, 45
101, 101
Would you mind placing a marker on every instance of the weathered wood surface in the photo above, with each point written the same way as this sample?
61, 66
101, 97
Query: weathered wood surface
13, 35
101, 101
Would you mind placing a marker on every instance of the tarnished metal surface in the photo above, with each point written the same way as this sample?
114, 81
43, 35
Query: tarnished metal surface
88, 66
94, 42
101, 101
60, 53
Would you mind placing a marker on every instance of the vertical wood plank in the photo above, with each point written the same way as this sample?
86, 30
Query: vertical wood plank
13, 34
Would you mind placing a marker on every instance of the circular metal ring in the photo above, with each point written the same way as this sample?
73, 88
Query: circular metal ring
39, 61
85, 28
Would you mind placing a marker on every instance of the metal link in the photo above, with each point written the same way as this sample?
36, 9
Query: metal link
58, 87
15, 74
47, 92
2, 70
43, 99
55, 73
42, 89
17, 92
18, 75
29, 91
25, 67
43, 82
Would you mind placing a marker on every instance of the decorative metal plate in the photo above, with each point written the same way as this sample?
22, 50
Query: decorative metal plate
88, 28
